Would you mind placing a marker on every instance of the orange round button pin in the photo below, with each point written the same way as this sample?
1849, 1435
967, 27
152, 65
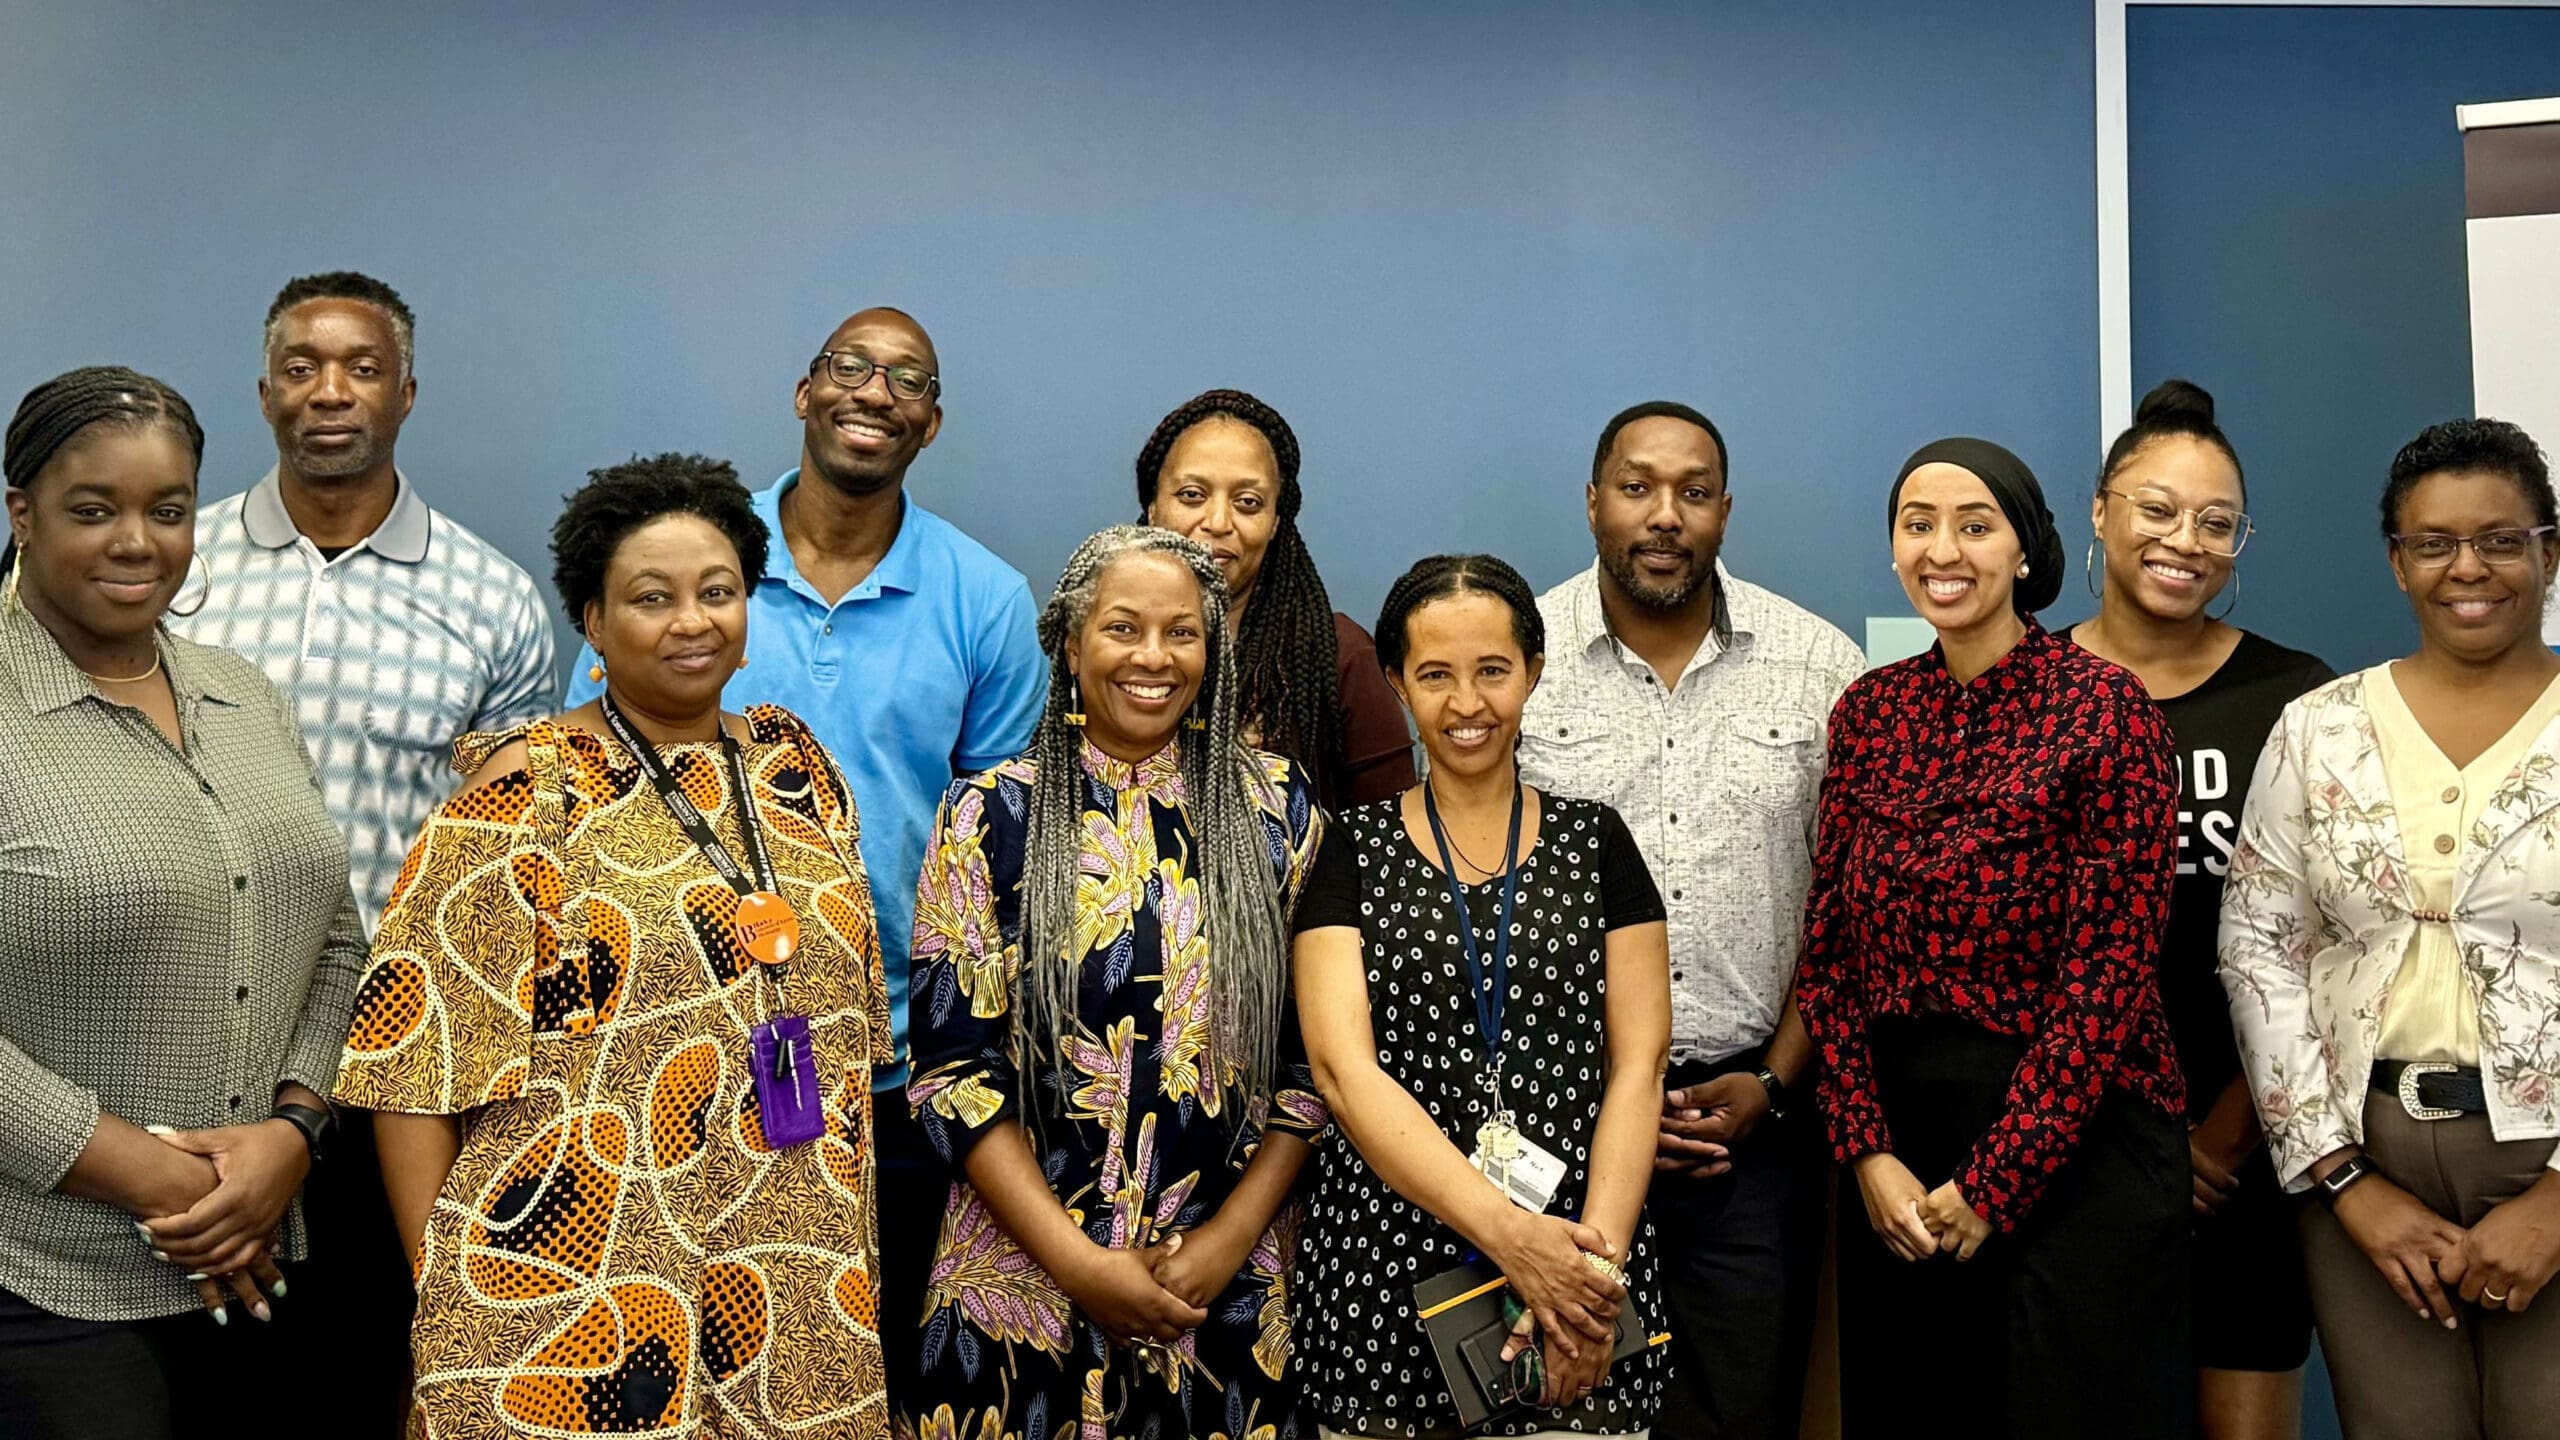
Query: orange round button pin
767, 928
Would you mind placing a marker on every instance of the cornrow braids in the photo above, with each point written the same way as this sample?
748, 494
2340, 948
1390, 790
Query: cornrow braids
1438, 577
57, 412
1292, 697
1239, 879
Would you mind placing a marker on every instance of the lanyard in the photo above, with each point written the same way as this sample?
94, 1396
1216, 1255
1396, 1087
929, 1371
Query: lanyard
1489, 998
697, 829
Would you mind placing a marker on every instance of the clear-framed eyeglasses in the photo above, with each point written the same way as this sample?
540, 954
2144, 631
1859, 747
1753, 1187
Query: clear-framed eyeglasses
853, 371
2434, 550
2220, 530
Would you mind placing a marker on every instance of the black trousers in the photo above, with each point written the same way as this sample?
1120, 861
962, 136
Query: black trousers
1741, 1263
178, 1378
914, 1186
2075, 1324
334, 1361
351, 1301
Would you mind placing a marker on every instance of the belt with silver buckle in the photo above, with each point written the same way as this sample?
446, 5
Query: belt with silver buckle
2432, 1089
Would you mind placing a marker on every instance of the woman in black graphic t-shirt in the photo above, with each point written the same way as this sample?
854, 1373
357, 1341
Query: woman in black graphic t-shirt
2170, 518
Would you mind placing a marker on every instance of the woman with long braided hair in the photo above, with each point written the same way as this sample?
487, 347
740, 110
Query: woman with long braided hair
1105, 1047
178, 955
1223, 470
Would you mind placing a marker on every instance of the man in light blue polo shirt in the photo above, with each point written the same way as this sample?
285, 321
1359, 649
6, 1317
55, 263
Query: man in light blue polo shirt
909, 648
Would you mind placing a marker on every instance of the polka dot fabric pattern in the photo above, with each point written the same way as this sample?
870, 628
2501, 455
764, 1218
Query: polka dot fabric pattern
1367, 1364
616, 1250
2002, 851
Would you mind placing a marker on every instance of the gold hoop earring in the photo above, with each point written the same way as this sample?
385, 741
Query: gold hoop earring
2234, 603
195, 563
2090, 560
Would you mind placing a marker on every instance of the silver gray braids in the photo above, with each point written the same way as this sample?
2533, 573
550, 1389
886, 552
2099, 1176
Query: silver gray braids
1234, 857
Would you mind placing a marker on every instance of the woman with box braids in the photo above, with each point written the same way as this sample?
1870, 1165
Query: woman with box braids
1223, 470
1105, 1050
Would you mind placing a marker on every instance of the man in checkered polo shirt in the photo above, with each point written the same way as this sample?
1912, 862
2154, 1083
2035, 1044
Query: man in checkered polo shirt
391, 630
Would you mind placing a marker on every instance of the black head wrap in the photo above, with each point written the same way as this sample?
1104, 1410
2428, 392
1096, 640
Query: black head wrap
2021, 499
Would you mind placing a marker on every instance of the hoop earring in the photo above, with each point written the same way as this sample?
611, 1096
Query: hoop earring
2235, 596
194, 564
2091, 560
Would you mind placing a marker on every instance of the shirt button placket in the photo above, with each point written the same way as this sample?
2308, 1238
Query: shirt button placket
237, 864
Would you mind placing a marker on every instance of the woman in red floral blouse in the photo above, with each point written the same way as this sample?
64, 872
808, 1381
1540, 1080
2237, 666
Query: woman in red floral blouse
1992, 874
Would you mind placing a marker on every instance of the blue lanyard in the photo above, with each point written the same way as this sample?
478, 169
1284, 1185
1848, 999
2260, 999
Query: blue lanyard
1488, 998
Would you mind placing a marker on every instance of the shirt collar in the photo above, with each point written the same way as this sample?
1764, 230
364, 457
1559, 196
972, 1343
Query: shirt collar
901, 569
51, 682
401, 536
2031, 651
1591, 620
1159, 776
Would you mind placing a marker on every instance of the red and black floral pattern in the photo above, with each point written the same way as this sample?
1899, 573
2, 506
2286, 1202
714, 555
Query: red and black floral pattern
2002, 851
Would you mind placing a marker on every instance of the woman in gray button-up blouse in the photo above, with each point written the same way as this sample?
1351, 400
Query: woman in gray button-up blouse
178, 949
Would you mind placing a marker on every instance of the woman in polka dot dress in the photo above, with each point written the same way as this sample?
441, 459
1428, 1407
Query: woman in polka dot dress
1574, 993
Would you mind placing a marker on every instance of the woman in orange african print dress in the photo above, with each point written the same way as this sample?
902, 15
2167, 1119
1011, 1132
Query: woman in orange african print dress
556, 1028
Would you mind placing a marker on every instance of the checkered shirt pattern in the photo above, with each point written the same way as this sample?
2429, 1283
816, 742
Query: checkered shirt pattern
176, 942
416, 636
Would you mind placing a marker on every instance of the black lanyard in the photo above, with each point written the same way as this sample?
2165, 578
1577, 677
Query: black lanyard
1489, 998
697, 829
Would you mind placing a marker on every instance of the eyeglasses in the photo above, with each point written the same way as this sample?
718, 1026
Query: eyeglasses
852, 371
2220, 530
2434, 550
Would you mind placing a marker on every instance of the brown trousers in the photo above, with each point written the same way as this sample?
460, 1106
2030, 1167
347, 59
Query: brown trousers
2397, 1377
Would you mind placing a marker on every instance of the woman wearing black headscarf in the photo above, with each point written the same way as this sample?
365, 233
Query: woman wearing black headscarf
1990, 882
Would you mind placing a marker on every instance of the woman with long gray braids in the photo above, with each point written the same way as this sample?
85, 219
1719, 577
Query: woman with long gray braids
1223, 470
1105, 1047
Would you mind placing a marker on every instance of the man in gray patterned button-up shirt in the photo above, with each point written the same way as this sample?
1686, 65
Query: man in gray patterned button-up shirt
1695, 704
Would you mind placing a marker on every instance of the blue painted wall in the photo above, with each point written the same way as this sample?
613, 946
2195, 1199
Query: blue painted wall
1446, 240
2296, 192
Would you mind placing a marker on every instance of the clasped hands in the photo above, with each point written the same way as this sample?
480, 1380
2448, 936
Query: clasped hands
1572, 1304
1914, 1221
2500, 1263
211, 1207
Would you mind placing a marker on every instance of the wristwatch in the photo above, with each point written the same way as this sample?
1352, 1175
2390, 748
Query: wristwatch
1777, 1089
318, 1127
2349, 1171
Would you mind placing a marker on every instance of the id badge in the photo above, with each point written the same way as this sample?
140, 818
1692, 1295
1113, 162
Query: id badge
786, 1070
1527, 1173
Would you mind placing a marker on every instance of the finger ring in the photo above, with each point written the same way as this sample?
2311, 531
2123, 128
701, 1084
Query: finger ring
2492, 1296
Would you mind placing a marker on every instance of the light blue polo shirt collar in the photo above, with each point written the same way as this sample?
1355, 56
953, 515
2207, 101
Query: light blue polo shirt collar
401, 536
898, 570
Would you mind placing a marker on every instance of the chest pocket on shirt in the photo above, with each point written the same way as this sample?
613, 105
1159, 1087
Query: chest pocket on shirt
1576, 759
1769, 761
422, 687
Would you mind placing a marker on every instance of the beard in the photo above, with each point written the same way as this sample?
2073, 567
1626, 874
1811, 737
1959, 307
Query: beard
1657, 594
356, 459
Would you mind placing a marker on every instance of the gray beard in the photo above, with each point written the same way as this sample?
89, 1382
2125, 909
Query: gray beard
338, 465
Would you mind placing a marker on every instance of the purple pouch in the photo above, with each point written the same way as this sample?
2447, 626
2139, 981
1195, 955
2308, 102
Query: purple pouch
786, 1070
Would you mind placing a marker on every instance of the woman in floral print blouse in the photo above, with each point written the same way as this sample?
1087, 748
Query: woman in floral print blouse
1104, 1045
2391, 946
1990, 882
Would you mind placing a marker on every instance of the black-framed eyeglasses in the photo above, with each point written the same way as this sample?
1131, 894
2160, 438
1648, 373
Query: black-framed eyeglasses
852, 371
2220, 530
2507, 545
